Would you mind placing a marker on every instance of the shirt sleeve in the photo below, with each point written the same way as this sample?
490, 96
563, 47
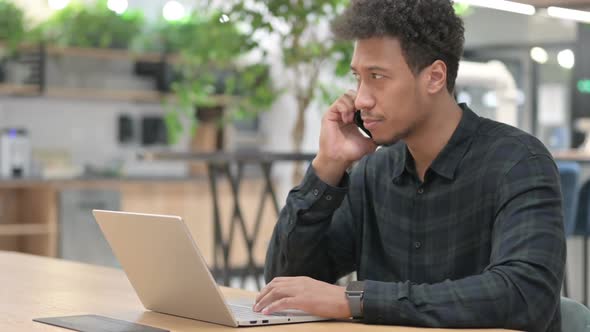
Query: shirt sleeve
519, 289
314, 235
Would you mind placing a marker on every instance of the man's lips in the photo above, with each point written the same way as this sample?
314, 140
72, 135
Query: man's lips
370, 123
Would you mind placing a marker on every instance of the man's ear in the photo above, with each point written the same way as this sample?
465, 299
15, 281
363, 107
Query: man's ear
436, 77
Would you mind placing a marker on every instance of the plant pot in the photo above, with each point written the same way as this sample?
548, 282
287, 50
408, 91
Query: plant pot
208, 137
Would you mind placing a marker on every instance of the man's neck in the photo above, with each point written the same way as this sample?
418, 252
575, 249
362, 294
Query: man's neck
434, 134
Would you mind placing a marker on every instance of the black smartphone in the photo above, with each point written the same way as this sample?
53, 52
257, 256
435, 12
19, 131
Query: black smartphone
359, 123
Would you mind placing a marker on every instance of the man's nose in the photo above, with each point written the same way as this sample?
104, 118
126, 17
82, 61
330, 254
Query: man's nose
364, 99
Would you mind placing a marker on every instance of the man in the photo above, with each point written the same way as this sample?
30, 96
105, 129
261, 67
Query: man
455, 222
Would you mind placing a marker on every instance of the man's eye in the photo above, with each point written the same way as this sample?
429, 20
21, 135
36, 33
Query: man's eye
376, 76
356, 76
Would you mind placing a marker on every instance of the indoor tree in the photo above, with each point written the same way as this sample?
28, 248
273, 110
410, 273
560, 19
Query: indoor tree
306, 46
12, 24
210, 64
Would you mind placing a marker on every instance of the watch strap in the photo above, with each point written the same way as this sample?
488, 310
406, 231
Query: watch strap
354, 295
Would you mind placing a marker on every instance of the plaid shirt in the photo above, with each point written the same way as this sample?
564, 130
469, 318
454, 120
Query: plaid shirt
480, 243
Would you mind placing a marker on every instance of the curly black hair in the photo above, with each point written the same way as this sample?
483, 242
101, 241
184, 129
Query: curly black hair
428, 30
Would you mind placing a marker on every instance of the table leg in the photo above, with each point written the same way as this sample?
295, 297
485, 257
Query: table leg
219, 246
237, 220
238, 217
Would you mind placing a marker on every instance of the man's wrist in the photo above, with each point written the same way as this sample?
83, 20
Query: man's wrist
329, 171
344, 306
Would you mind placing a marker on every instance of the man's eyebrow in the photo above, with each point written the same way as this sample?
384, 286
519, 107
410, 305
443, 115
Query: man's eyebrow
371, 68
377, 68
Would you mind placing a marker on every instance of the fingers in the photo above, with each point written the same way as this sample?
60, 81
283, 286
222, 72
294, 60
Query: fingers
346, 113
348, 98
351, 94
348, 101
343, 109
276, 294
277, 289
280, 305
270, 286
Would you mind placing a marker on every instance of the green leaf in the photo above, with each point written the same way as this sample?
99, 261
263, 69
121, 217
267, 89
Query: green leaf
12, 25
211, 48
83, 25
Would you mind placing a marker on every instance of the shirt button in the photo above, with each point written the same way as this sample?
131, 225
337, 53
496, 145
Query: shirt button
316, 192
420, 191
418, 244
328, 197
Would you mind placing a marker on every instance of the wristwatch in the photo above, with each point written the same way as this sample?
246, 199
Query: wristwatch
354, 294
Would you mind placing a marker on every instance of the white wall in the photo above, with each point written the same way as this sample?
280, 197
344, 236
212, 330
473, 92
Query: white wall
488, 27
87, 130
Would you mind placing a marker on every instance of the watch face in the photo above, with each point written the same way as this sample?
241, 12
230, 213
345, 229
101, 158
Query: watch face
355, 286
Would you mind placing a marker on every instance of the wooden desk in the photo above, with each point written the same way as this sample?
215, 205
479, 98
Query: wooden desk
35, 287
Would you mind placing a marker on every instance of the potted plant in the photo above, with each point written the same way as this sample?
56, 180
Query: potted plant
82, 25
12, 31
210, 51
305, 49
12, 24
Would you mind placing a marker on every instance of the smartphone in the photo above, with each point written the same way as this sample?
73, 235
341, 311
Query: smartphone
359, 123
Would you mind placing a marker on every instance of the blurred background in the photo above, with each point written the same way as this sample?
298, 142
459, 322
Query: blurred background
211, 110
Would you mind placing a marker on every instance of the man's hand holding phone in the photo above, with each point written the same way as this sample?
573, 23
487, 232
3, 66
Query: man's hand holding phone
341, 142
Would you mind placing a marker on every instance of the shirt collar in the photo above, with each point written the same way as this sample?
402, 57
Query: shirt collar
401, 164
447, 161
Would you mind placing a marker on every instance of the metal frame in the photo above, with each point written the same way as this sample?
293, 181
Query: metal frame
223, 246
220, 164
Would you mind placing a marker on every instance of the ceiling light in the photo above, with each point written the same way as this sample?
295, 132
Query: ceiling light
58, 4
569, 14
118, 6
566, 59
173, 11
539, 55
509, 6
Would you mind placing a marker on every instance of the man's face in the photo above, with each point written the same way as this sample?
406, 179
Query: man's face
389, 95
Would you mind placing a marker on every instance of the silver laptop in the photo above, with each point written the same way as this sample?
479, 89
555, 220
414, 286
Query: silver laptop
169, 274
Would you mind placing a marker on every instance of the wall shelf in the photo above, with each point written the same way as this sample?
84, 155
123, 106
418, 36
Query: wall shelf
26, 229
34, 78
99, 53
36, 56
28, 220
143, 96
19, 89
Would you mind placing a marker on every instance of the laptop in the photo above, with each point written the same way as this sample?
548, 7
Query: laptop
169, 274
